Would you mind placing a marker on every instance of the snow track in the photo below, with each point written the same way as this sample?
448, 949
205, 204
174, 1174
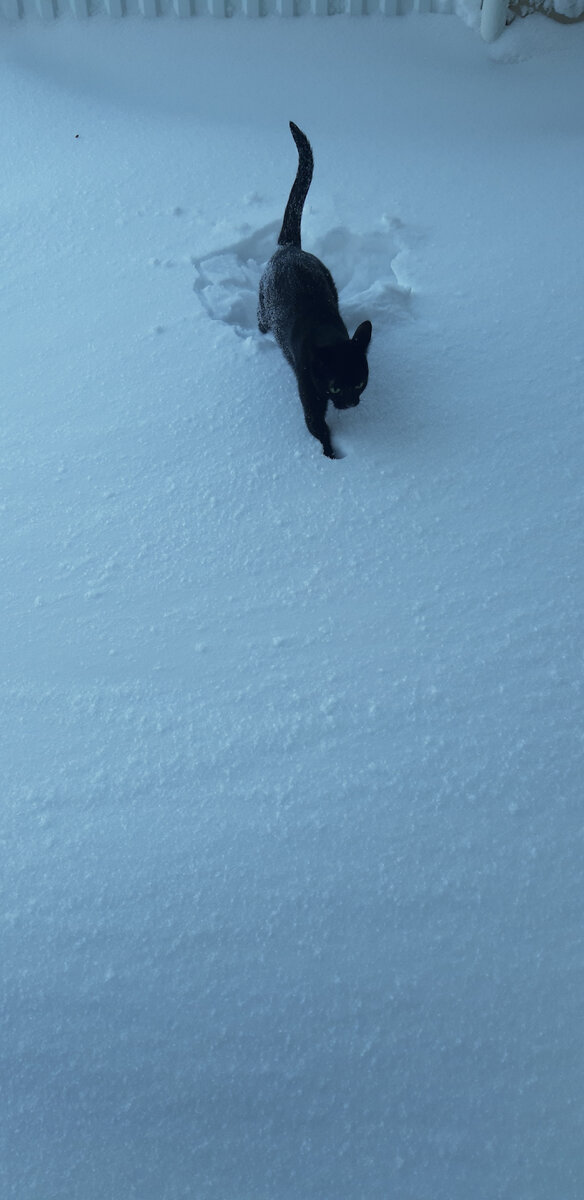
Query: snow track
227, 280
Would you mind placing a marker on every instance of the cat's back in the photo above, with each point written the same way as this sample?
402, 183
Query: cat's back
296, 282
292, 274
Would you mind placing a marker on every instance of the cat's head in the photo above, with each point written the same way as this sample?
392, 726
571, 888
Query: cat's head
341, 372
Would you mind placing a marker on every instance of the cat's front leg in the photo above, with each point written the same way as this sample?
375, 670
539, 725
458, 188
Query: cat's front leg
314, 415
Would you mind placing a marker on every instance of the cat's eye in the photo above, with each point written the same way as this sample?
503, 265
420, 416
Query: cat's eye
334, 391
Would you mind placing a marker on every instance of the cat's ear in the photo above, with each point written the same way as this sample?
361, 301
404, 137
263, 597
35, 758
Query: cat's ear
362, 335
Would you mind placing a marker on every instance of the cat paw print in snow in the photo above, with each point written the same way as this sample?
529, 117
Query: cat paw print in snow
227, 281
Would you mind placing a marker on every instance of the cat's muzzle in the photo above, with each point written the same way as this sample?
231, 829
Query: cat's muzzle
345, 401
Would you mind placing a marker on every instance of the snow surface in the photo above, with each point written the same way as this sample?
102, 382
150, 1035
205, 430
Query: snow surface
292, 830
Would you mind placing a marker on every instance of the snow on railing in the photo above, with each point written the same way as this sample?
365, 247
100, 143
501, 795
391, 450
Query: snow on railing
495, 13
49, 9
490, 15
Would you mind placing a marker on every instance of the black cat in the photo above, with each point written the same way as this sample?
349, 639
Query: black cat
298, 301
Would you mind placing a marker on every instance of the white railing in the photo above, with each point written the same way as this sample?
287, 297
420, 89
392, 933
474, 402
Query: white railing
488, 15
49, 9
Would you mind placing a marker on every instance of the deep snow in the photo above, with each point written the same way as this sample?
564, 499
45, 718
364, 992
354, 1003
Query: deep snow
292, 821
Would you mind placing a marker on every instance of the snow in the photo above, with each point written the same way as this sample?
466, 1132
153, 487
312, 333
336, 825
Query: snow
292, 748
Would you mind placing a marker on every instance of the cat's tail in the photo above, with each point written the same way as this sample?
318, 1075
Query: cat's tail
290, 231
